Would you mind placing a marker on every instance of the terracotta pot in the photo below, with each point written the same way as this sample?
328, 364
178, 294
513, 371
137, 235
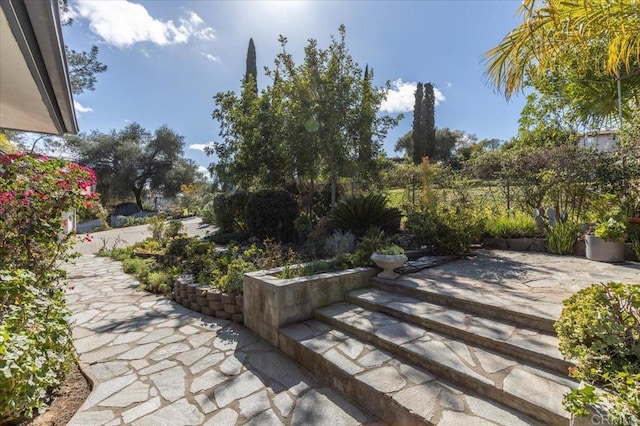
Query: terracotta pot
634, 220
389, 262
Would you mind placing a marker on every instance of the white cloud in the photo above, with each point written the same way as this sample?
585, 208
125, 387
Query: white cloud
449, 85
123, 24
211, 57
199, 146
439, 96
81, 109
401, 97
203, 170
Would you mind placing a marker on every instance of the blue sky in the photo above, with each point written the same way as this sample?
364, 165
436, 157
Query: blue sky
167, 59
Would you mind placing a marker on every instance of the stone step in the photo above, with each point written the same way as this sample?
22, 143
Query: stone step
392, 389
530, 390
510, 307
524, 344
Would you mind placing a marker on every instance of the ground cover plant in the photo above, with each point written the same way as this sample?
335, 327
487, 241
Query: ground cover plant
599, 328
511, 225
36, 349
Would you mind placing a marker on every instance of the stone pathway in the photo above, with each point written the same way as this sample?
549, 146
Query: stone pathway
156, 363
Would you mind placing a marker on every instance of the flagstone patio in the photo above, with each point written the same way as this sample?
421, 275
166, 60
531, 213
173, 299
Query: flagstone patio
154, 362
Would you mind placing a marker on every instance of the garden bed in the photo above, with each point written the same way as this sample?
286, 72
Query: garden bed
271, 302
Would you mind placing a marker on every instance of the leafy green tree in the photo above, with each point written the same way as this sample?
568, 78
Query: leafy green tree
313, 123
83, 66
583, 47
405, 143
444, 144
134, 160
447, 142
544, 121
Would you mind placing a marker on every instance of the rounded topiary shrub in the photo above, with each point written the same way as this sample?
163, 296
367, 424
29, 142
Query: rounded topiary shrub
270, 214
229, 211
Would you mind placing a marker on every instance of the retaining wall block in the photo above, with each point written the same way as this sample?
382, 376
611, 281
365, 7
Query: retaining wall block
216, 306
223, 315
232, 309
214, 295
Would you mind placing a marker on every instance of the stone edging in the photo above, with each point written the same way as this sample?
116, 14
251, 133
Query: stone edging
208, 301
538, 245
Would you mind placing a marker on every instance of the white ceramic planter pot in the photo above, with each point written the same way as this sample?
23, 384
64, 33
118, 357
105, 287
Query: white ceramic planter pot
389, 262
604, 251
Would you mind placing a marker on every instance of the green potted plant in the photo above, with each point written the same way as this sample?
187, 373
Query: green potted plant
389, 258
606, 242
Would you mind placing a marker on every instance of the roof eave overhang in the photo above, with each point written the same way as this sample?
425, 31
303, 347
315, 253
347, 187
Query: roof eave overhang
36, 28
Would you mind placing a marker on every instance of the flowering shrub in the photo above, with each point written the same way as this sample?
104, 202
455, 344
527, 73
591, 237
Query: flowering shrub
35, 338
34, 192
35, 341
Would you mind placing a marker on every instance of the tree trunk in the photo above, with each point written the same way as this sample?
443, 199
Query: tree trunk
333, 190
138, 194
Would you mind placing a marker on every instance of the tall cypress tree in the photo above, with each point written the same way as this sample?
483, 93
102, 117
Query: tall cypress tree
429, 120
252, 67
418, 134
365, 118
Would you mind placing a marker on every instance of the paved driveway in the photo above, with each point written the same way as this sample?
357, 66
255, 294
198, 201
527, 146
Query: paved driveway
121, 237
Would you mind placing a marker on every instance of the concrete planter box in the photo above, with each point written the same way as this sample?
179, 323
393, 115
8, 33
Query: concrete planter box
271, 302
538, 245
516, 244
604, 251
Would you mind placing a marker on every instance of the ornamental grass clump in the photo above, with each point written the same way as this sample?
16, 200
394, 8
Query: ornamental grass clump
562, 237
515, 225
